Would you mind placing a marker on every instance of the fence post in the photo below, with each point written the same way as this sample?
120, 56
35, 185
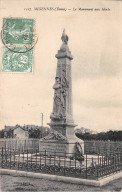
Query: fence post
23, 157
54, 162
98, 168
75, 164
38, 148
5, 145
92, 165
14, 156
59, 160
117, 161
114, 161
25, 145
98, 159
64, 162
120, 160
18, 159
5, 155
100, 162
36, 157
86, 165
45, 158
108, 164
10, 158
50, 160
27, 159
40, 159
102, 165
2, 156
110, 158
31, 158
92, 162
70, 162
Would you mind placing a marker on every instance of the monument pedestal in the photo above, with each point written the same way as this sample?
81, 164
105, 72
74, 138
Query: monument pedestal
67, 130
73, 139
56, 143
62, 138
53, 144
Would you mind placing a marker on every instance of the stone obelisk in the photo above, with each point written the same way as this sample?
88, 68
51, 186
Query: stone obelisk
62, 115
62, 123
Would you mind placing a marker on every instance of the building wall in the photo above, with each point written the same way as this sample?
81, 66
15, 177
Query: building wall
20, 133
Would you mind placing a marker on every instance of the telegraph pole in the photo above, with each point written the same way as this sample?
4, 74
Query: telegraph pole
42, 117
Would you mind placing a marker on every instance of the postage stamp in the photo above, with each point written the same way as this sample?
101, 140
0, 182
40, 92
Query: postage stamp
17, 62
18, 44
18, 31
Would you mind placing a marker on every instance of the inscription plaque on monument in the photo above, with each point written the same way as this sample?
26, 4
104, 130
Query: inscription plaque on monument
53, 144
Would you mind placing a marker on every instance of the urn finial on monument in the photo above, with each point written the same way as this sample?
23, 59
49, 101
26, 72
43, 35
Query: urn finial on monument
64, 49
64, 37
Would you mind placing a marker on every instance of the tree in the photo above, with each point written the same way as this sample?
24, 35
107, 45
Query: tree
109, 135
1, 134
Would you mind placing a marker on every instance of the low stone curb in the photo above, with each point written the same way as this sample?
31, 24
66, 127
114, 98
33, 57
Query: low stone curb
98, 183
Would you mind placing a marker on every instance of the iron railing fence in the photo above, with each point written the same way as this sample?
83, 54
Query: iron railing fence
90, 146
93, 167
100, 147
20, 144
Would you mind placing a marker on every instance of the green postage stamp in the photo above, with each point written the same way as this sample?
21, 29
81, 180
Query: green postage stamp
17, 62
18, 43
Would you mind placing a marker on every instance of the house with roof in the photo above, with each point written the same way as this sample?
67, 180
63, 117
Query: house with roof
15, 132
26, 131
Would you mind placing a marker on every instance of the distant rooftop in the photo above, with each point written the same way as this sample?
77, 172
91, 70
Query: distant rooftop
25, 127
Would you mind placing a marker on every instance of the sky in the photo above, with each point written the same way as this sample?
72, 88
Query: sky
95, 41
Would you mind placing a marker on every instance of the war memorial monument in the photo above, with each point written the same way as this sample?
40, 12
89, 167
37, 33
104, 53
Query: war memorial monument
62, 137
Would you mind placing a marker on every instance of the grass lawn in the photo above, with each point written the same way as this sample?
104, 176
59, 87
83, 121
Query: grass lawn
21, 184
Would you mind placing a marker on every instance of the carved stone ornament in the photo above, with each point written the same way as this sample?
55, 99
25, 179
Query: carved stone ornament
54, 135
64, 37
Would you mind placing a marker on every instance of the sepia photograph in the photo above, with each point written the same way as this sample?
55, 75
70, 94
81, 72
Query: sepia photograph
60, 96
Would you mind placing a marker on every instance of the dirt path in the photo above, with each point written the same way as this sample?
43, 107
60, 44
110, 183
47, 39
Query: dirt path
21, 184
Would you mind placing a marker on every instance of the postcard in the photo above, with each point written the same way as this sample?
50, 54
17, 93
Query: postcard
60, 95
